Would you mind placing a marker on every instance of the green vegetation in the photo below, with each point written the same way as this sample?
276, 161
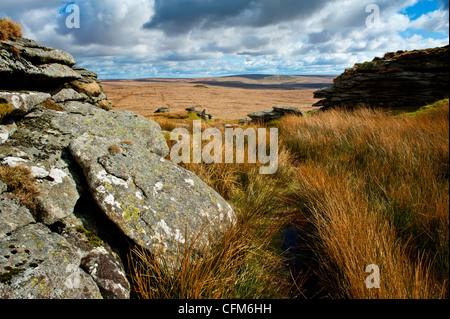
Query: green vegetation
5, 110
93, 240
194, 116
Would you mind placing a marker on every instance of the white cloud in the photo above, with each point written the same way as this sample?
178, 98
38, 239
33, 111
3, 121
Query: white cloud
193, 37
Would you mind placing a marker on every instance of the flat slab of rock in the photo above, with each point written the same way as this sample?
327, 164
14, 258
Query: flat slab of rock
38, 54
26, 65
153, 201
23, 103
12, 215
66, 95
288, 110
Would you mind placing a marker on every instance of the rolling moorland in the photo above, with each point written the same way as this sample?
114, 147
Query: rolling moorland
92, 207
227, 98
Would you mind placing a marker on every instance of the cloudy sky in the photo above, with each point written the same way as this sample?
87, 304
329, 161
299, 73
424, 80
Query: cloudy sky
196, 38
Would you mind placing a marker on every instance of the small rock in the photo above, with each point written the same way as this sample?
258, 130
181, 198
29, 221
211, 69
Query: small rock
69, 95
192, 110
163, 110
38, 172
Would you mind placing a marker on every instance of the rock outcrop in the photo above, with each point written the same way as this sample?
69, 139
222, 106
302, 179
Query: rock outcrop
104, 183
404, 78
277, 113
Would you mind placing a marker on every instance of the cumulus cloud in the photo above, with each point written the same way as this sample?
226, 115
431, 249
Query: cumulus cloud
147, 38
182, 16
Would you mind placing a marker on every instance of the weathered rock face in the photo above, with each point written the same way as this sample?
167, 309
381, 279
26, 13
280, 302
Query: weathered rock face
410, 78
103, 181
24, 64
151, 199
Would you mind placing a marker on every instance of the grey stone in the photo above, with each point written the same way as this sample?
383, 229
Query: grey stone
163, 110
405, 78
23, 103
152, 200
85, 73
265, 116
13, 214
59, 196
38, 264
69, 95
4, 134
288, 110
7, 128
108, 273
3, 187
38, 54
100, 262
192, 110
26, 65
83, 118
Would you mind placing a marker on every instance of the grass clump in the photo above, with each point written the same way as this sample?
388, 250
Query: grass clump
5, 110
374, 190
245, 261
21, 185
9, 29
362, 187
51, 105
114, 149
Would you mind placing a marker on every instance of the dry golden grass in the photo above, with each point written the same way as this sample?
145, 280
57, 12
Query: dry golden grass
21, 185
244, 262
351, 235
363, 187
114, 149
375, 190
231, 268
9, 29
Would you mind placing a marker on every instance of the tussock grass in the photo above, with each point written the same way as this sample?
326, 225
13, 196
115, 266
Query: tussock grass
244, 262
362, 187
9, 29
231, 268
374, 189
21, 185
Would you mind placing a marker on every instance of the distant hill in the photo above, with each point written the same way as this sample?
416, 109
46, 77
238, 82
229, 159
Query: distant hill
256, 81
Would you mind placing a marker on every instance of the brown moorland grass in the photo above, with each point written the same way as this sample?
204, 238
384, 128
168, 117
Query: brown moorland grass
375, 191
9, 29
363, 187
245, 262
228, 103
21, 185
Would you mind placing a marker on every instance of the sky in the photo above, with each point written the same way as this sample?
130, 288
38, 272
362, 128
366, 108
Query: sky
128, 39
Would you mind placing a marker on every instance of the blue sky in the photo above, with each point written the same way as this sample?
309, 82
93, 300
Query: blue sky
200, 38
